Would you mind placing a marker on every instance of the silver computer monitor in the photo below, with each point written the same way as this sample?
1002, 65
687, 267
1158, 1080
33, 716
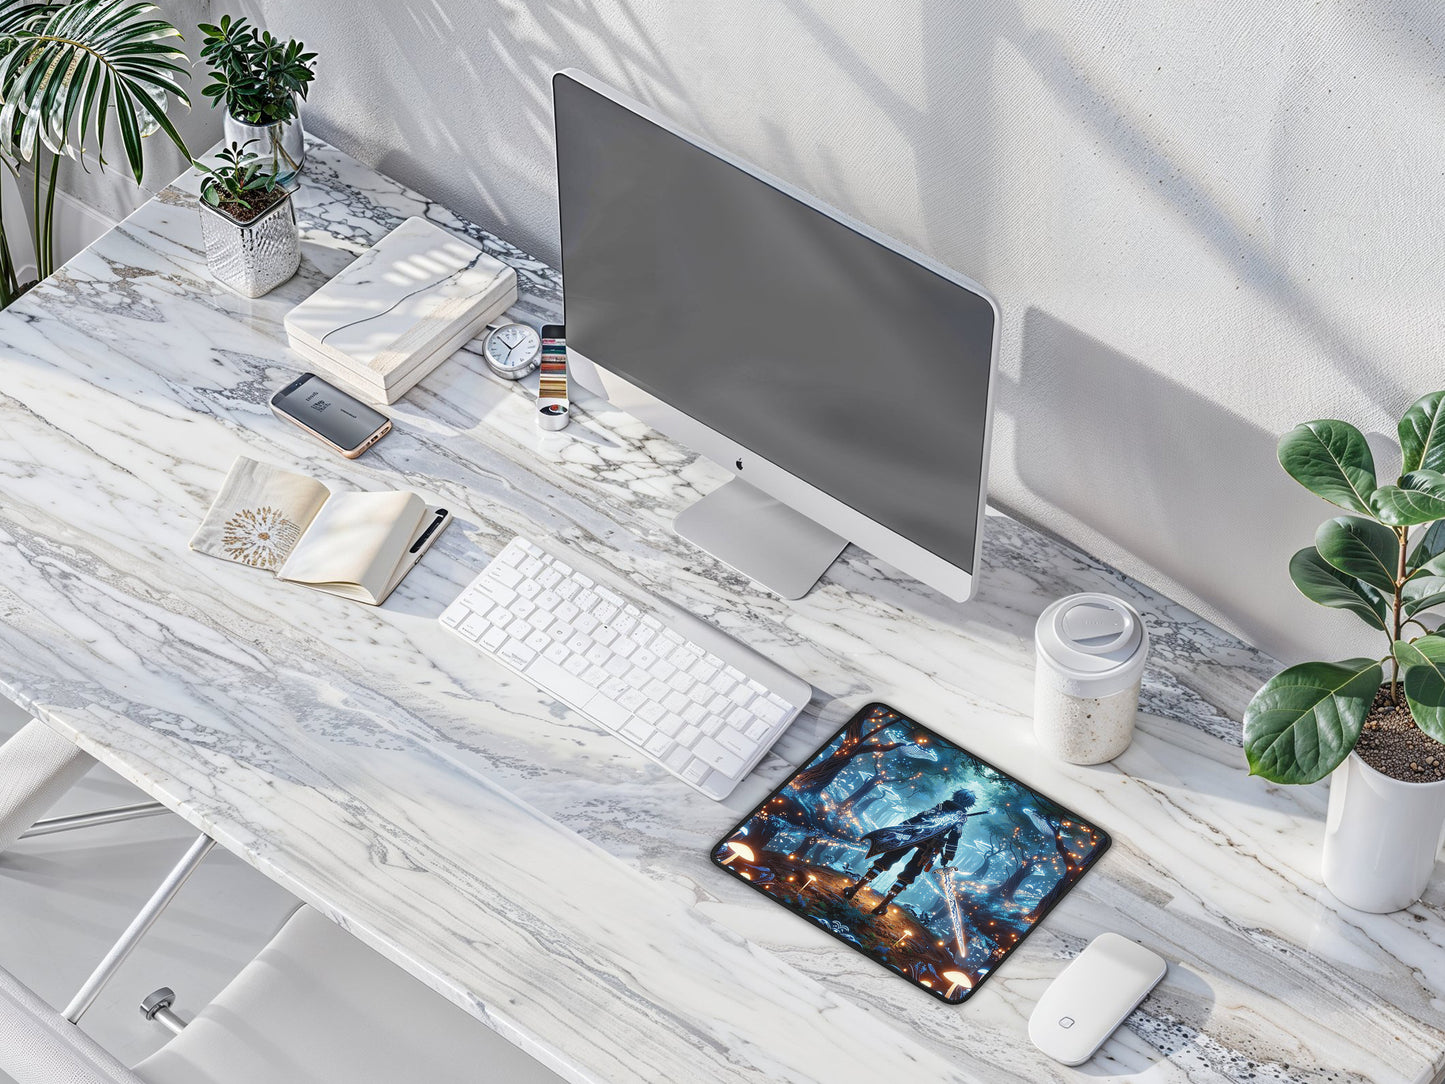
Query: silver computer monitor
844, 378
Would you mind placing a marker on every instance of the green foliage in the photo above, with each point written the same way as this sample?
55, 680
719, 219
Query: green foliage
1321, 582
1330, 459
238, 179
70, 72
1423, 669
1306, 719
258, 76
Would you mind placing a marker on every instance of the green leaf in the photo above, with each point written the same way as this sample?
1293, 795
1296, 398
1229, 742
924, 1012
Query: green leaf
1421, 593
1321, 582
1430, 545
1331, 459
1423, 663
70, 72
1360, 548
1422, 434
1305, 720
1419, 498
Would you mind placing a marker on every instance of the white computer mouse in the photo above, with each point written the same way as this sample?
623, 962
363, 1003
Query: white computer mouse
1092, 996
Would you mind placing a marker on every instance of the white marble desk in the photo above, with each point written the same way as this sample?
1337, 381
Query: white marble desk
532, 868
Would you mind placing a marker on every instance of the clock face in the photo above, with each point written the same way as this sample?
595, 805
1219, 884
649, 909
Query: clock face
512, 349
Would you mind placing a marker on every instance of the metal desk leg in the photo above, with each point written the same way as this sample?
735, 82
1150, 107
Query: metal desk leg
37, 766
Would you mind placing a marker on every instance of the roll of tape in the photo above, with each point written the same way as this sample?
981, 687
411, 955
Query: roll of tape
553, 416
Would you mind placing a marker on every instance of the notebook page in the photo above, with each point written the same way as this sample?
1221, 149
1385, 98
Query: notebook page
259, 514
355, 543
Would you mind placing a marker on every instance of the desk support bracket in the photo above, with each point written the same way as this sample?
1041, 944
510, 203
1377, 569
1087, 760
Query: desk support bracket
142, 922
52, 825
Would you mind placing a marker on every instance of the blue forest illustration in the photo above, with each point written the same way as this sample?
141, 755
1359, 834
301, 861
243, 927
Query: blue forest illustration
912, 850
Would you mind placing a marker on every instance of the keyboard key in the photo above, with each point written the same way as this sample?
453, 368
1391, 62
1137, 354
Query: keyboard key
656, 690
518, 655
595, 676
657, 744
757, 729
568, 612
612, 688
512, 554
529, 589
610, 714
506, 576
598, 655
539, 641
733, 742
717, 757
473, 627
453, 616
557, 653
674, 701
695, 772
694, 714
529, 567
585, 623
636, 730
677, 759
632, 700
518, 629
575, 665
549, 577
558, 681
493, 638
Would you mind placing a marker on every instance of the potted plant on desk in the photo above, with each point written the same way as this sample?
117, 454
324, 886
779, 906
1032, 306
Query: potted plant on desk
1380, 735
260, 80
249, 225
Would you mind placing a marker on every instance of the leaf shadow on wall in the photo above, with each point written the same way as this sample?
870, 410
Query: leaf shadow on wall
1176, 480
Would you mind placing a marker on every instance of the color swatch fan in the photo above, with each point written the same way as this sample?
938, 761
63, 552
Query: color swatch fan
400, 309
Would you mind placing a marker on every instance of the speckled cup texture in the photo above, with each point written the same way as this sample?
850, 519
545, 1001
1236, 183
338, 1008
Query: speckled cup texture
1083, 729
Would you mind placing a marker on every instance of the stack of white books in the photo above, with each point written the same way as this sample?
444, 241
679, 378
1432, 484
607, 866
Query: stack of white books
400, 309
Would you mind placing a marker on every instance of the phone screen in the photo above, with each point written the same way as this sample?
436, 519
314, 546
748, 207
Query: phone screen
328, 411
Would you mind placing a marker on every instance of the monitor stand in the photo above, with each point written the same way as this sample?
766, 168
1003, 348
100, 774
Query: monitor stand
761, 537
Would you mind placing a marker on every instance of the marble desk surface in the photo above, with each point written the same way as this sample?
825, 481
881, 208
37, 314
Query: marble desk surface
527, 865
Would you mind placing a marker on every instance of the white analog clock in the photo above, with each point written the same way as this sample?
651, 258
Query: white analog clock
512, 350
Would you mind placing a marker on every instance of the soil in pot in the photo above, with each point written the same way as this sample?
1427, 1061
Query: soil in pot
261, 202
1392, 744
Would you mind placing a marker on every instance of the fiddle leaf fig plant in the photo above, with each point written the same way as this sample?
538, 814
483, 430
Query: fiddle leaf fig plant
1384, 563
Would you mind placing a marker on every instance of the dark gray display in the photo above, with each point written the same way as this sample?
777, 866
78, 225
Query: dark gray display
845, 363
328, 411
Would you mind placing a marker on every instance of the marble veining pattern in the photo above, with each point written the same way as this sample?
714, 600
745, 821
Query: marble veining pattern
532, 868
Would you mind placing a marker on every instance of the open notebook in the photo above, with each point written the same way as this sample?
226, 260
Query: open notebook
356, 545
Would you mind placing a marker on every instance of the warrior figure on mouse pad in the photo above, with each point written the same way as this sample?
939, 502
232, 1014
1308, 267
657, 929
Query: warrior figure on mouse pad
932, 836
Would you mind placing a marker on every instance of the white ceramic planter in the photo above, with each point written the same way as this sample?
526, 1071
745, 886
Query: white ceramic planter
1381, 837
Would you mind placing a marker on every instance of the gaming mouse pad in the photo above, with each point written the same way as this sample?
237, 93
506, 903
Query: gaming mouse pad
913, 851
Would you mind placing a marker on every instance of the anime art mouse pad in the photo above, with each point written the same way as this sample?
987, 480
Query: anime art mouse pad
913, 851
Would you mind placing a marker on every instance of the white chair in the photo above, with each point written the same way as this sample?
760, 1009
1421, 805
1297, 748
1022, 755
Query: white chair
316, 1006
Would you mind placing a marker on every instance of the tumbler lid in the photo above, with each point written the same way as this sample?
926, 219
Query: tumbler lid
1095, 644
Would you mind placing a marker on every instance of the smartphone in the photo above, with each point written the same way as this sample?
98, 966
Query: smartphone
340, 421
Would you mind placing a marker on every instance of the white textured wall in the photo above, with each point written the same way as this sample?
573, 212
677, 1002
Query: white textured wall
1204, 221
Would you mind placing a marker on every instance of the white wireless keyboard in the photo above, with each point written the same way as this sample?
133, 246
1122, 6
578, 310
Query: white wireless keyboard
695, 700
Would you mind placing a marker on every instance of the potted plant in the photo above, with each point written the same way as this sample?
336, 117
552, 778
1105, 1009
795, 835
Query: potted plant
70, 75
1382, 738
249, 225
260, 80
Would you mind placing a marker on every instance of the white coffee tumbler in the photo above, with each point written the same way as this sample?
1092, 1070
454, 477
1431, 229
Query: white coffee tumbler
1091, 650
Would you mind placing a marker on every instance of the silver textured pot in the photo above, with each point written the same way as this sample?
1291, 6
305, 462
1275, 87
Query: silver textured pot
282, 145
252, 257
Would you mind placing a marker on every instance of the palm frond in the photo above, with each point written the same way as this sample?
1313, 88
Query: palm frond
68, 69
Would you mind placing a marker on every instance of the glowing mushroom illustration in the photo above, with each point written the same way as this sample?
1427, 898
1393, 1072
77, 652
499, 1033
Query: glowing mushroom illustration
957, 980
740, 850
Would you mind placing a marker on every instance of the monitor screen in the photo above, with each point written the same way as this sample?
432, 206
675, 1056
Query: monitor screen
841, 361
